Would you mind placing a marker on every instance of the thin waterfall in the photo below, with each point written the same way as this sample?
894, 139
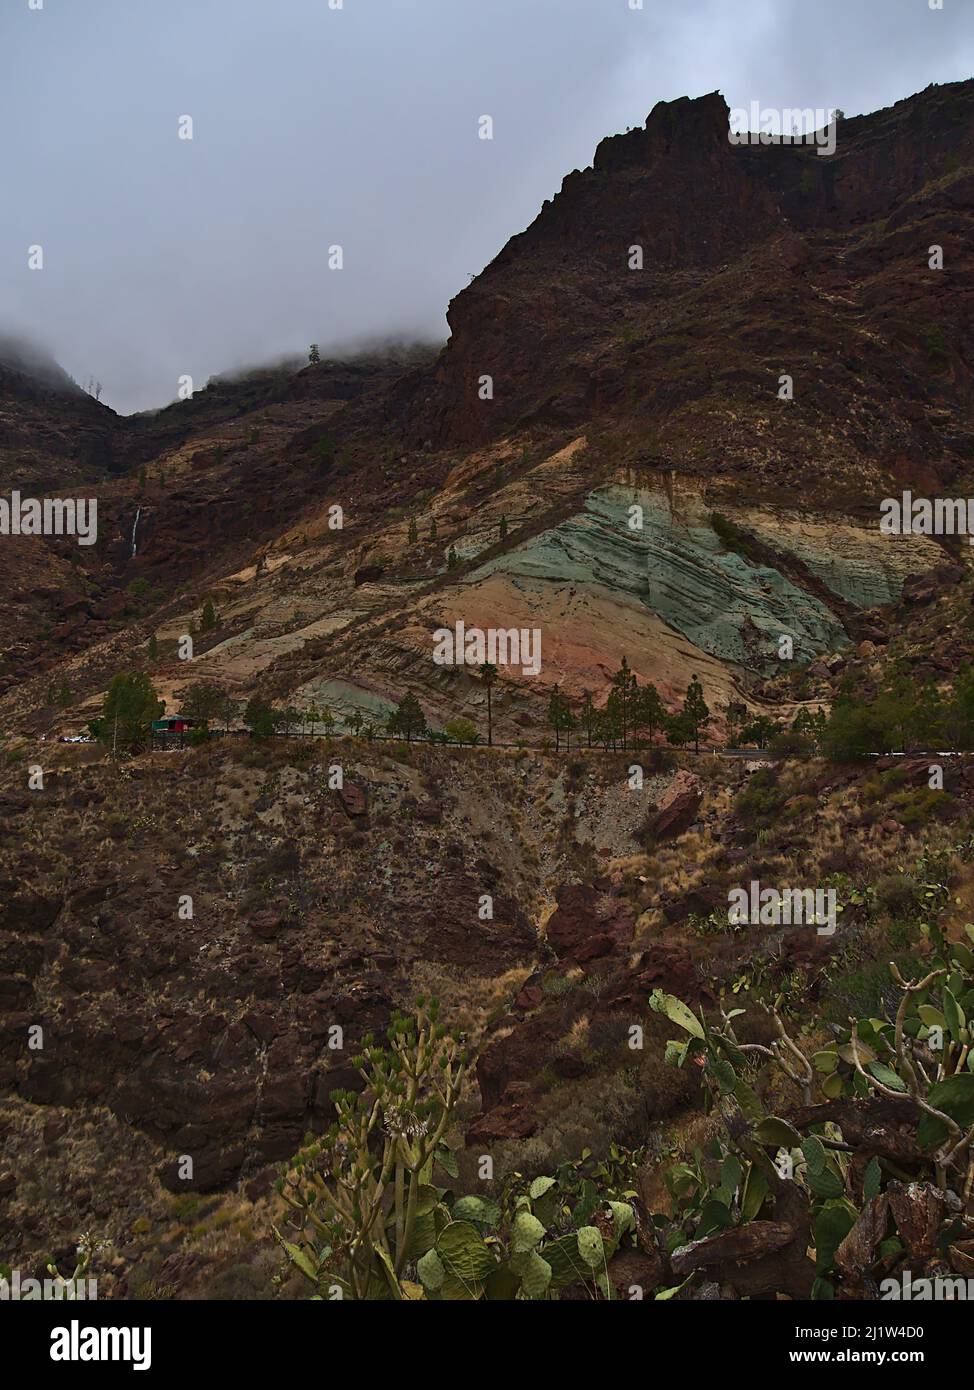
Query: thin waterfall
135, 527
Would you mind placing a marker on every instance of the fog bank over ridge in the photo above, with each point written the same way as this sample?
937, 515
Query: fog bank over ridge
357, 127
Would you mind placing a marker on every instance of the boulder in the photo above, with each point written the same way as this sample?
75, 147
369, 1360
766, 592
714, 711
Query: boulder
583, 926
919, 589
354, 798
679, 807
669, 967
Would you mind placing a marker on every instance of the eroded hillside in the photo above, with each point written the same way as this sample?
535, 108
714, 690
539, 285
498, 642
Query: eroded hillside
212, 1036
195, 940
611, 388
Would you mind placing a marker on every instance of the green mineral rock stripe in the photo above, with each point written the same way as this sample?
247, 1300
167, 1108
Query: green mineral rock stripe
677, 567
344, 697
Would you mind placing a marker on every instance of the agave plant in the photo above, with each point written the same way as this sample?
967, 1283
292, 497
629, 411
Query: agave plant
361, 1197
370, 1222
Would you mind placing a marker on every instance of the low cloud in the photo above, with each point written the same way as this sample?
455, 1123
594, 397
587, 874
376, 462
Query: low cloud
315, 128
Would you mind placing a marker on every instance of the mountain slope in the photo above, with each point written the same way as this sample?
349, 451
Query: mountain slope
635, 487
613, 389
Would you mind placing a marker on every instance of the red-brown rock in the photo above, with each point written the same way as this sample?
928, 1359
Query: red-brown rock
679, 807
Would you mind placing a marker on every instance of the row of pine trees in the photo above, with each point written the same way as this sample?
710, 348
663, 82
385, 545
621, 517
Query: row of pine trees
632, 715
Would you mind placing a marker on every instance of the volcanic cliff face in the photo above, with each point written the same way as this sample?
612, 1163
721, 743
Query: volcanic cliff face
619, 395
613, 387
757, 260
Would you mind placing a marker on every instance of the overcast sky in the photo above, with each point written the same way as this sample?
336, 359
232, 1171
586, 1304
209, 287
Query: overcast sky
355, 126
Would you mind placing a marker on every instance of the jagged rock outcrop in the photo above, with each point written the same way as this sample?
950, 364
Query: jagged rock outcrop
678, 807
697, 204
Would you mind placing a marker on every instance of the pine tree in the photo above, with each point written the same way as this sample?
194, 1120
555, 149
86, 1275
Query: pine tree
433, 529
503, 528
261, 719
624, 685
153, 647
203, 701
229, 711
314, 356
559, 716
413, 536
611, 722
737, 717
679, 730
489, 673
208, 618
407, 719
695, 711
648, 710
130, 706
589, 717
